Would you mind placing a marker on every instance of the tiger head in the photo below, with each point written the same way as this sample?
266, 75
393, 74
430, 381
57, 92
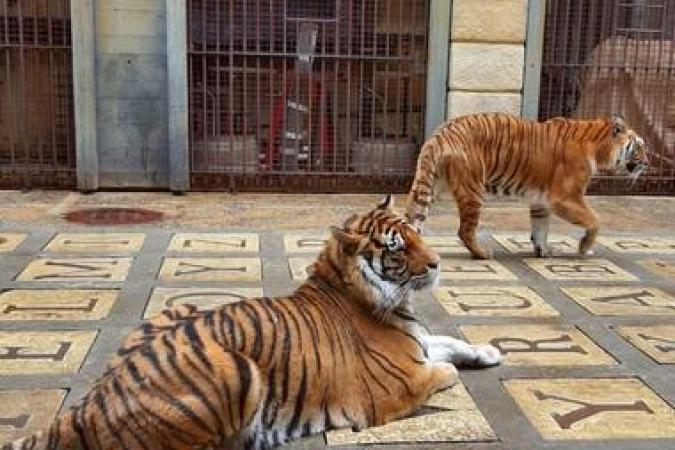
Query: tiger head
380, 256
628, 153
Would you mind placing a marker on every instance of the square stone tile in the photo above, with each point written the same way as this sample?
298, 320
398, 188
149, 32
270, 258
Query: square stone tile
624, 244
215, 242
593, 409
300, 267
211, 269
520, 243
10, 241
453, 269
539, 345
56, 304
43, 352
446, 245
622, 300
204, 298
96, 243
449, 416
23, 413
76, 269
664, 268
305, 243
579, 269
504, 301
657, 341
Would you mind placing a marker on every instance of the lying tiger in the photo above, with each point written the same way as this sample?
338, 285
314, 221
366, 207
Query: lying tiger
345, 350
550, 162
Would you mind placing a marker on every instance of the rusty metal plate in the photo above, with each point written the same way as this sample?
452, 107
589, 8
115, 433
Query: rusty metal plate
113, 216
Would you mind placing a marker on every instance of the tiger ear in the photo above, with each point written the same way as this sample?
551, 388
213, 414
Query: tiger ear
348, 243
350, 220
386, 203
618, 124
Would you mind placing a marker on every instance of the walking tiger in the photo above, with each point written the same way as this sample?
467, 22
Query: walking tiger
550, 162
344, 350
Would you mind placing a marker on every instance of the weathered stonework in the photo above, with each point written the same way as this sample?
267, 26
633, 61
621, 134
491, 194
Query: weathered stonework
486, 67
460, 103
493, 21
487, 57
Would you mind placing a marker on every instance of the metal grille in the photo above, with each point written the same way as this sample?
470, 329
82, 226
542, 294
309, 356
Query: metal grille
36, 100
615, 56
304, 94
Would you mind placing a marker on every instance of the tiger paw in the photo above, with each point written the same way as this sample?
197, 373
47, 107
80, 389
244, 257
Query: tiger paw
584, 250
487, 355
543, 252
482, 254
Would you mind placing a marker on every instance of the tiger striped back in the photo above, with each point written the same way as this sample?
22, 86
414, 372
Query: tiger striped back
549, 162
343, 350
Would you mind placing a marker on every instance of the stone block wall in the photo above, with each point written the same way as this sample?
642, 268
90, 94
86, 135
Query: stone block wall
487, 56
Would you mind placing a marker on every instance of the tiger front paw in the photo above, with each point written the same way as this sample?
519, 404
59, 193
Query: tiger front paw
487, 355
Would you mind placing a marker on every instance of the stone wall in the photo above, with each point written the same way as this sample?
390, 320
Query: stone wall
487, 56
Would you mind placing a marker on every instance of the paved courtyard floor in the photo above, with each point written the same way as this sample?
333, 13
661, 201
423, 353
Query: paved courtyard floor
589, 343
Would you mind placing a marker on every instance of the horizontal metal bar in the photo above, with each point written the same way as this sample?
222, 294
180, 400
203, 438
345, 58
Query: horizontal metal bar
317, 56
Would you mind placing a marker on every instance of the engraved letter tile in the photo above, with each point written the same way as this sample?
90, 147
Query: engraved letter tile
539, 345
480, 300
56, 304
43, 352
622, 300
76, 269
214, 242
211, 269
24, 412
593, 409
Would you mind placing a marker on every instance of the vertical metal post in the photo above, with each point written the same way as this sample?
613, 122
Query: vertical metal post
84, 93
437, 64
534, 44
177, 84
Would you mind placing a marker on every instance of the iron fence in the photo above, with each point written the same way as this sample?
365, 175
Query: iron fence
615, 56
298, 94
36, 100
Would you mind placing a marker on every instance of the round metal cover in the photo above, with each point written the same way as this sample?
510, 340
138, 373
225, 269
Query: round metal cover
113, 216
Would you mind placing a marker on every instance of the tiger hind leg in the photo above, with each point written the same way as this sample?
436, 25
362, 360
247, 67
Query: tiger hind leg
469, 212
539, 220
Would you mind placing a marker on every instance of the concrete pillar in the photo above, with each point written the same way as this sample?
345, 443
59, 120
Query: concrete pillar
177, 84
84, 92
437, 64
536, 17
131, 93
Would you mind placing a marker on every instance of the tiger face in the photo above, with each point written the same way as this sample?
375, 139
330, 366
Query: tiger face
385, 256
629, 150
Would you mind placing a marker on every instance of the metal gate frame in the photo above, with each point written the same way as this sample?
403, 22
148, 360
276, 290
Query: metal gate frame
177, 74
179, 139
661, 179
37, 139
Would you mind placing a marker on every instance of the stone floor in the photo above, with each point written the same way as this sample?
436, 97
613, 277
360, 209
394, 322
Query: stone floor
589, 343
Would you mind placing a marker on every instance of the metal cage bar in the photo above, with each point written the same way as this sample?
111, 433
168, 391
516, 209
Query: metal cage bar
37, 138
305, 95
615, 56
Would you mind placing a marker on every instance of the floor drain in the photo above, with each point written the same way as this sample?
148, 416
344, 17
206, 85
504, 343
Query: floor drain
113, 216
